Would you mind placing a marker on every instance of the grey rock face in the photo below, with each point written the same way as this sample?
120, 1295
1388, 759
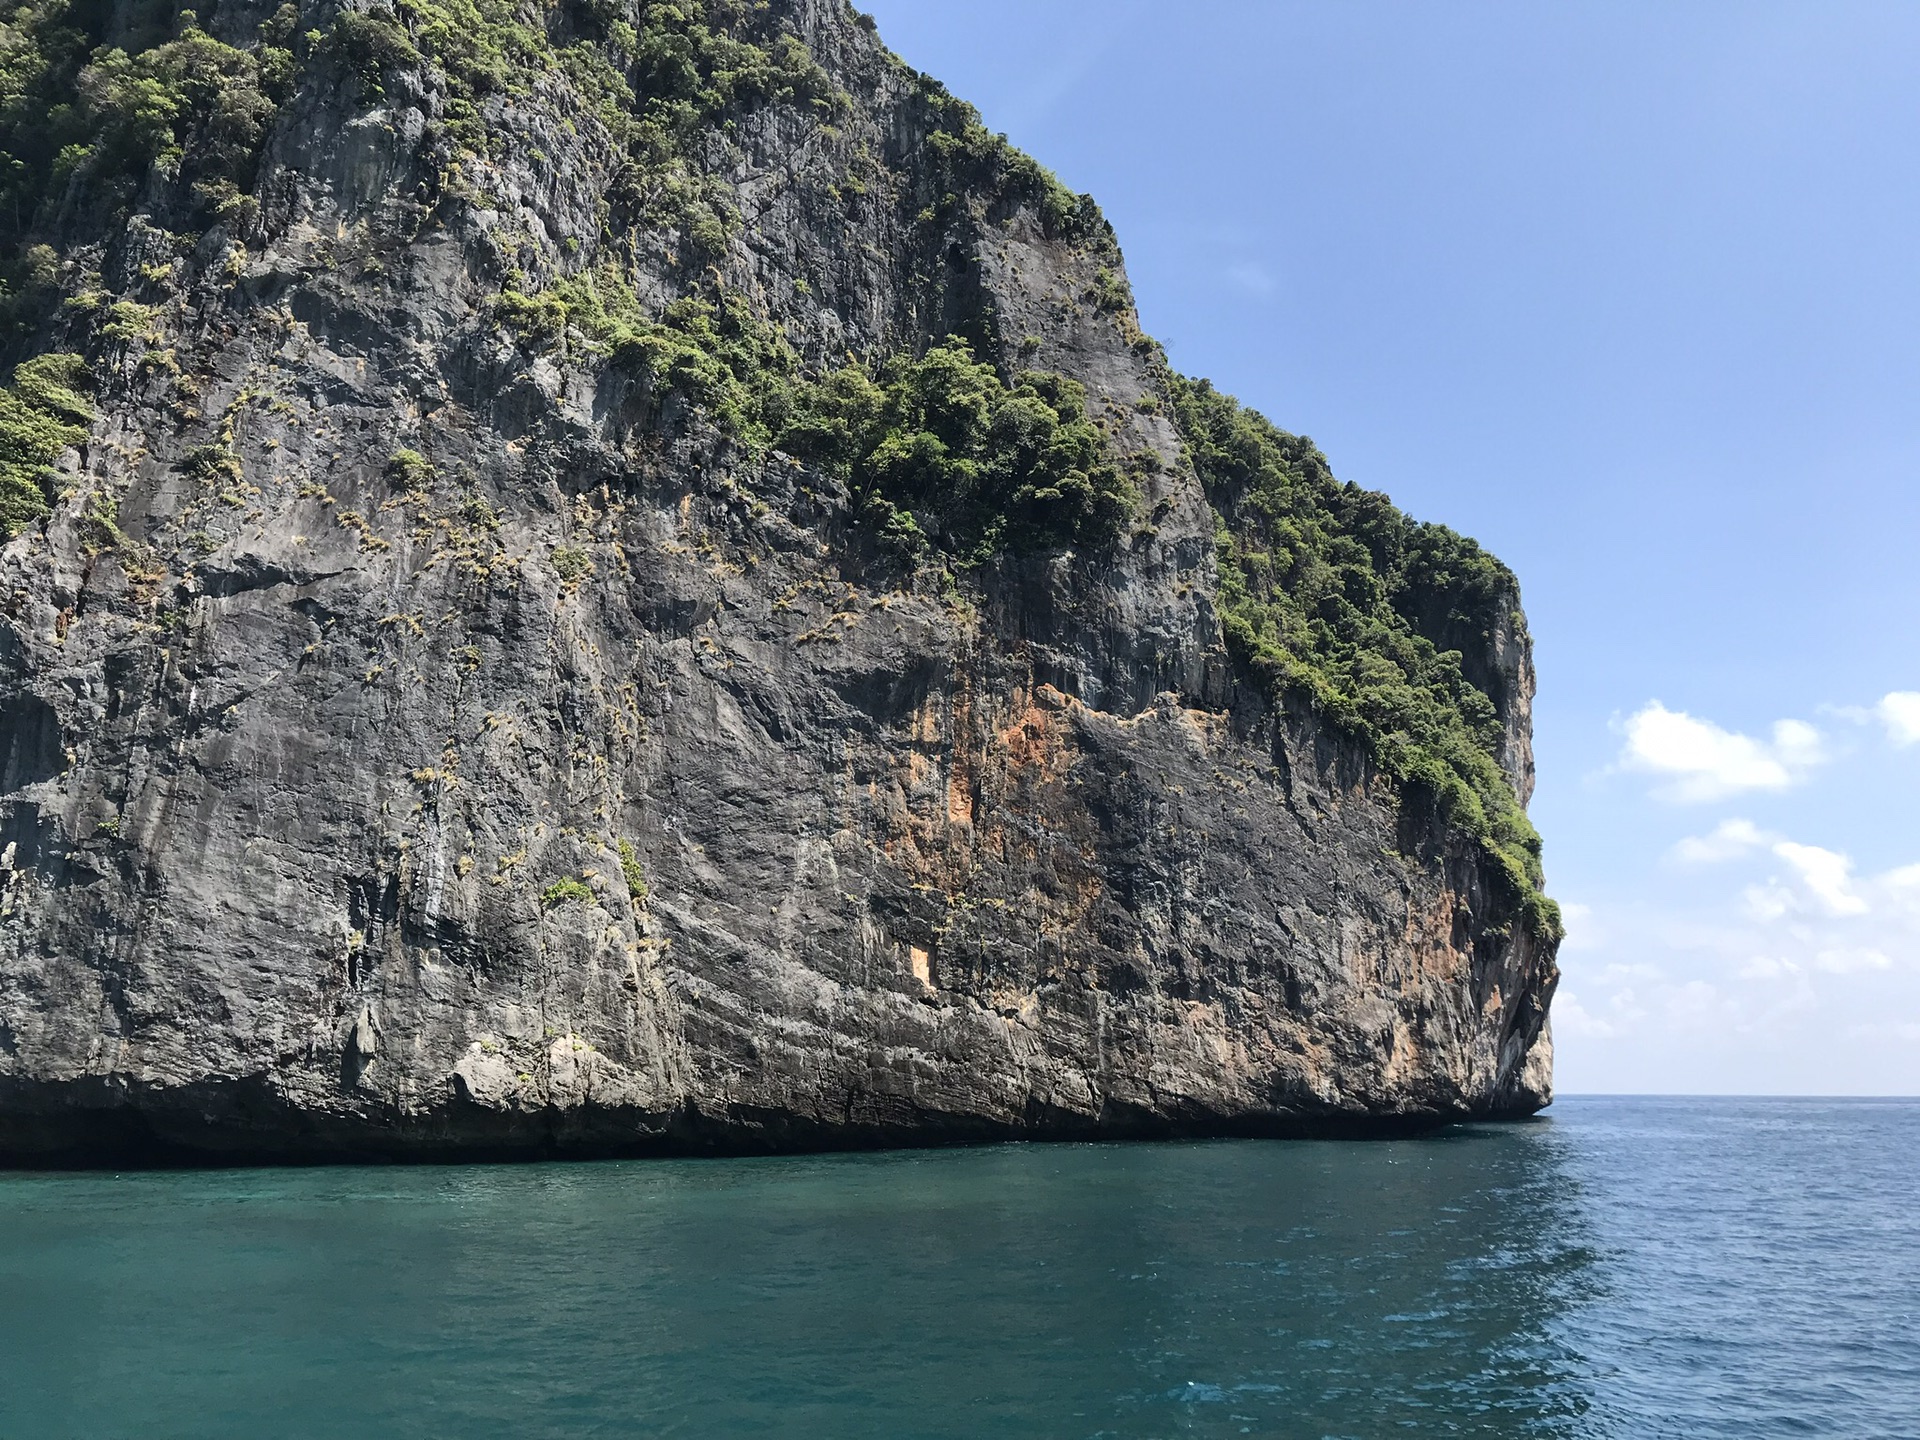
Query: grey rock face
288, 776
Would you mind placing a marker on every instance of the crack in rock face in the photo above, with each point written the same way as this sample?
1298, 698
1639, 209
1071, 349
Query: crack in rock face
566, 616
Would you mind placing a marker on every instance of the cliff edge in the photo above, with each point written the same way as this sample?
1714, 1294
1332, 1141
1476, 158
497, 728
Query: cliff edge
614, 577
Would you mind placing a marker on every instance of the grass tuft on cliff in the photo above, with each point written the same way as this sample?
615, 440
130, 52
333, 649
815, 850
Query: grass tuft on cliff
43, 412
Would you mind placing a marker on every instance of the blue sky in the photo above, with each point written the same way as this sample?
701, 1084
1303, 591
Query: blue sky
1631, 293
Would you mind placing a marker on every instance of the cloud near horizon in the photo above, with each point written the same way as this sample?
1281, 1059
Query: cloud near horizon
1813, 936
1703, 762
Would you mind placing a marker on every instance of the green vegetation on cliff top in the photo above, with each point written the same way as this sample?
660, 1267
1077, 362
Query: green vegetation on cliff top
1329, 596
1327, 592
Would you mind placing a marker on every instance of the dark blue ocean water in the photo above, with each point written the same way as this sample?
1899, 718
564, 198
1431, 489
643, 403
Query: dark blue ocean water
1625, 1268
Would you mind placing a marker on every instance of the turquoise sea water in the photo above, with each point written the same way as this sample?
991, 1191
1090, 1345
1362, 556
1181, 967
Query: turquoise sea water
1625, 1268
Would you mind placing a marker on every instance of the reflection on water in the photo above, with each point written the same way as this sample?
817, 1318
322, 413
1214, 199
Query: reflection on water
1484, 1282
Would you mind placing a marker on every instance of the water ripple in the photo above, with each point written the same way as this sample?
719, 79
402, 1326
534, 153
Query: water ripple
1629, 1268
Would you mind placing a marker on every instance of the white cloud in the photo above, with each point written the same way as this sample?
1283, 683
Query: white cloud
1573, 1020
1899, 711
1813, 925
1729, 841
1825, 874
1851, 961
1705, 762
1769, 902
1774, 991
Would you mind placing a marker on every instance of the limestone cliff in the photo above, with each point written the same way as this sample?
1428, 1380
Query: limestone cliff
497, 657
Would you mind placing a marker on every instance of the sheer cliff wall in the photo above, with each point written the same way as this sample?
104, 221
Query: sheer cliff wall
432, 723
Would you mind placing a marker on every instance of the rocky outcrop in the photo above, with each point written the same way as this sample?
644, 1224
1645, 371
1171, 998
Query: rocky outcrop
421, 737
